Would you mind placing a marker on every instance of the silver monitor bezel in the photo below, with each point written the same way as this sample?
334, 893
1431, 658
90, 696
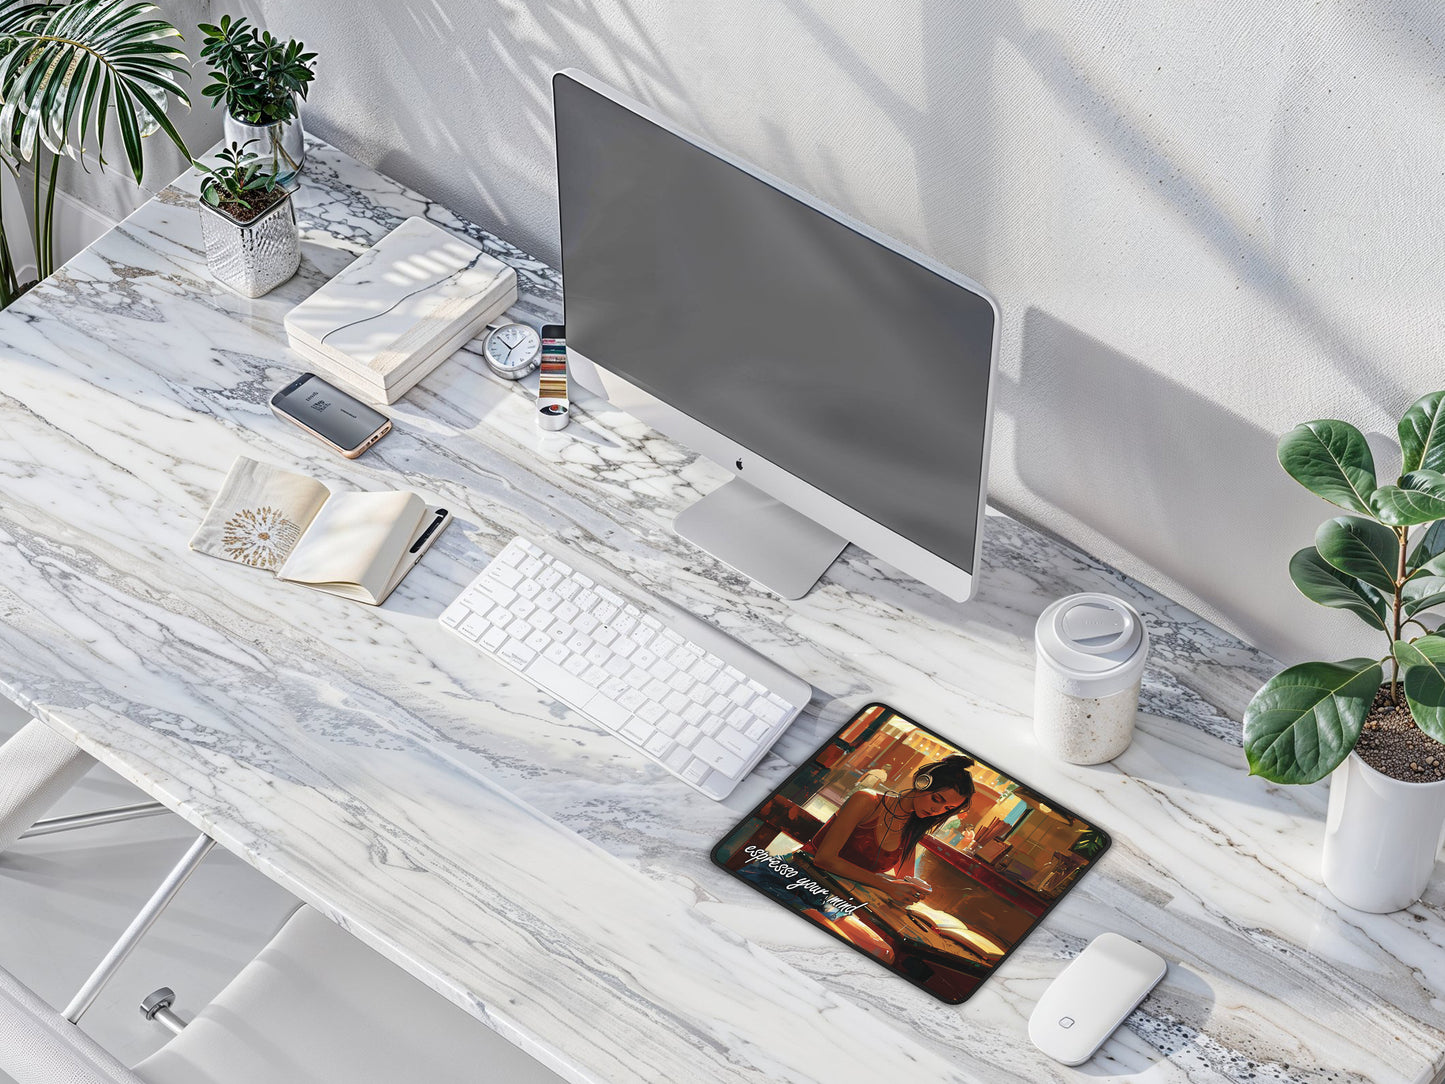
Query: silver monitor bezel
840, 518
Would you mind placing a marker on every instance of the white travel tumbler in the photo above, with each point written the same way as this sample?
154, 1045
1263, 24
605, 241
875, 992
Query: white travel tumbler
1091, 650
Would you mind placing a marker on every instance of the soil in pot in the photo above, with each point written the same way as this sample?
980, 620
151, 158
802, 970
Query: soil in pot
261, 202
1392, 744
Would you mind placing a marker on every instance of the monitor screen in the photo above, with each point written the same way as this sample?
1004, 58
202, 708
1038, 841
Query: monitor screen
845, 363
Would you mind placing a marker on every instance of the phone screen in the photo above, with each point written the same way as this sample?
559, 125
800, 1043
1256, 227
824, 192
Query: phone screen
328, 411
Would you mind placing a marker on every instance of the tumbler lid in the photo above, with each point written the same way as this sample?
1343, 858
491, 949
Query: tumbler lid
1095, 644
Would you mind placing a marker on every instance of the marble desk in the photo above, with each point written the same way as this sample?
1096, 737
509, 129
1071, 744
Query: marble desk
527, 865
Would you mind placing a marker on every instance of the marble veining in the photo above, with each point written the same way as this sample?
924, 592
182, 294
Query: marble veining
528, 866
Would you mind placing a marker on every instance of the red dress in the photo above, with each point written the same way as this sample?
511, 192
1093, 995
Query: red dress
862, 847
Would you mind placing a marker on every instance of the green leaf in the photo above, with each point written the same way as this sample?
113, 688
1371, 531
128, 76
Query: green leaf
1419, 498
1305, 720
1331, 459
1430, 545
1421, 593
1360, 548
1321, 582
1423, 663
1422, 434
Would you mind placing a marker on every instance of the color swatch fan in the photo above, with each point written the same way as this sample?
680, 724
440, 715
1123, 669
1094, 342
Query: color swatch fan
400, 309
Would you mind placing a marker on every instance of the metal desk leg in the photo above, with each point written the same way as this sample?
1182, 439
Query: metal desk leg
37, 766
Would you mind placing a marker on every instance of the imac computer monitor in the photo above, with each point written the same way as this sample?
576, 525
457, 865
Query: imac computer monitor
844, 379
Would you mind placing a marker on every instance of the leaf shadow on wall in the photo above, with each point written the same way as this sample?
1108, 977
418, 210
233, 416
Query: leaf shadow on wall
1188, 488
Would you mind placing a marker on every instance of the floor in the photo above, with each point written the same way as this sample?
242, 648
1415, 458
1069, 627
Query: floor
65, 898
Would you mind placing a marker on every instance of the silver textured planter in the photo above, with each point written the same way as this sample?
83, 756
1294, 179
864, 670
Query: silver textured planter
252, 257
282, 146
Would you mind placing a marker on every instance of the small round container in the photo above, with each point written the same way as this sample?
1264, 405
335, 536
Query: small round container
1091, 651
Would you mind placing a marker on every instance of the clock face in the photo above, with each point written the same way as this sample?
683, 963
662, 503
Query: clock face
513, 349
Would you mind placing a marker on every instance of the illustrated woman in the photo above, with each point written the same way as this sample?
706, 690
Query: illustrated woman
871, 839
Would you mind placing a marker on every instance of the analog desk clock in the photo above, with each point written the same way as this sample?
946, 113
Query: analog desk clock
512, 350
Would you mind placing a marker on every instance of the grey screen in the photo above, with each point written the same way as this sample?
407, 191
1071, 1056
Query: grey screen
845, 363
329, 411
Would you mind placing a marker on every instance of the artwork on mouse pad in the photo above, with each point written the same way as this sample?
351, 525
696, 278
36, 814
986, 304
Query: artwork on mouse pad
911, 850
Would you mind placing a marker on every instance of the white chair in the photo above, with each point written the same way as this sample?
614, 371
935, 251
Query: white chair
316, 1006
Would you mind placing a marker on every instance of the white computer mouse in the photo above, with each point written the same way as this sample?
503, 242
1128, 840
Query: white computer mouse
1092, 996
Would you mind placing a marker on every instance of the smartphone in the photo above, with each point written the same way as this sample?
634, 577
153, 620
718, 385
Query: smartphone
341, 422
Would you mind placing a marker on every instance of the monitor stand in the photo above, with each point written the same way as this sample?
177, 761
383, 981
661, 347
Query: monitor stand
761, 537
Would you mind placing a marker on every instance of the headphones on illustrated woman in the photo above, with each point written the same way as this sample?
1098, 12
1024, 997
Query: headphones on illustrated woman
924, 779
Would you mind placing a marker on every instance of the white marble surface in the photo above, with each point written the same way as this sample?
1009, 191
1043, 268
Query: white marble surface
531, 867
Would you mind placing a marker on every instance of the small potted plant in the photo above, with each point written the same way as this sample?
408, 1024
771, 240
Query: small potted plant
260, 79
249, 225
1381, 738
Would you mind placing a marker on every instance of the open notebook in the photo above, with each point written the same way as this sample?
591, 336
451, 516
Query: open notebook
356, 545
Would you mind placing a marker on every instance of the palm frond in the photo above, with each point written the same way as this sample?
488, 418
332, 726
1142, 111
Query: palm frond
67, 70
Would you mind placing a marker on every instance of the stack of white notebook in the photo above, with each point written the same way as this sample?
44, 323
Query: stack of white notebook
400, 309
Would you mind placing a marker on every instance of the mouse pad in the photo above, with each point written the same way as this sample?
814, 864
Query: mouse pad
929, 860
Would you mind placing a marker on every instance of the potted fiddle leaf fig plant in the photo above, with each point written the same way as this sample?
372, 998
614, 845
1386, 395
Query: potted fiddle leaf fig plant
1376, 723
260, 79
248, 223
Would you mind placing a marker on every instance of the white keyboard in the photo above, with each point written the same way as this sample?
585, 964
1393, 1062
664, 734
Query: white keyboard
695, 700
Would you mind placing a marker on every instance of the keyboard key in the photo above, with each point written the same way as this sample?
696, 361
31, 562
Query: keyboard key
529, 589
493, 638
539, 641
715, 756
518, 655
612, 688
558, 682
734, 742
556, 653
506, 576
575, 665
655, 689
473, 627
512, 554
595, 675
612, 716
585, 623
518, 629
674, 701
529, 567
632, 700
636, 730
677, 759
657, 744
529, 547
694, 714
453, 616
695, 772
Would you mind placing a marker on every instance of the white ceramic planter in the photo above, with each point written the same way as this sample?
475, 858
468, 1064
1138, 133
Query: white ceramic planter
1382, 837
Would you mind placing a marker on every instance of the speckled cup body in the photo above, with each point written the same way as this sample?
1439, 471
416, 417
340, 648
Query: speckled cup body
1381, 837
1082, 729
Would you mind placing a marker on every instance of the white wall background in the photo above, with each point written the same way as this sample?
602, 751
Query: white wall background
1205, 221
